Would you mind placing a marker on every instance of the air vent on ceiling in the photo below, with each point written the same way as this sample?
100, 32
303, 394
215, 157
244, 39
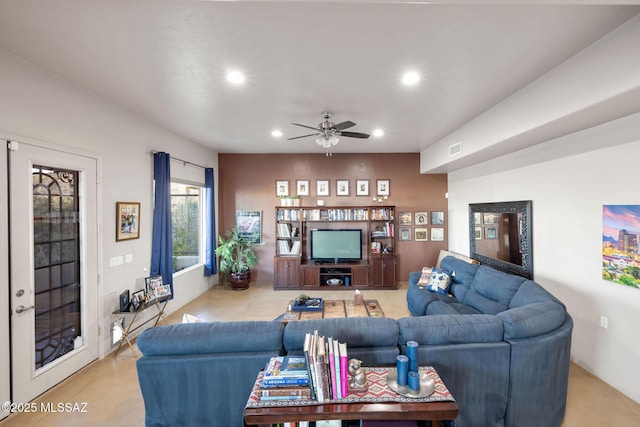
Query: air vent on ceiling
455, 149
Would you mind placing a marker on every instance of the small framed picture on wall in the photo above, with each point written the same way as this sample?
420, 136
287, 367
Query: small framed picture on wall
437, 218
405, 234
421, 234
404, 218
437, 234
302, 187
383, 187
362, 187
422, 218
342, 187
322, 187
282, 188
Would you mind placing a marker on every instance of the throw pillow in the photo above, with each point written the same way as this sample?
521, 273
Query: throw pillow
439, 281
425, 277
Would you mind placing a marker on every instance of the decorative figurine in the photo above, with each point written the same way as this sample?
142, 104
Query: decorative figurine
358, 383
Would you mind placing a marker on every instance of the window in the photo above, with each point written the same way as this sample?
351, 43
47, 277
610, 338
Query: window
186, 224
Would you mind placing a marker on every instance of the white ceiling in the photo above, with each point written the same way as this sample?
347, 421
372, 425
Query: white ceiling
166, 61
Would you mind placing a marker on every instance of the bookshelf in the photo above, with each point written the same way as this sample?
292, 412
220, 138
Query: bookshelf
293, 268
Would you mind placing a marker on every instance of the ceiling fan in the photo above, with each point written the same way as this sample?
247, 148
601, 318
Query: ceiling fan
327, 133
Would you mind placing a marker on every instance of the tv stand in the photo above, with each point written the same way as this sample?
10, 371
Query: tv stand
293, 268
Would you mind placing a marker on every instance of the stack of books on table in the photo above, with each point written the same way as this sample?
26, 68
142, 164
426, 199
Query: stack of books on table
286, 378
327, 360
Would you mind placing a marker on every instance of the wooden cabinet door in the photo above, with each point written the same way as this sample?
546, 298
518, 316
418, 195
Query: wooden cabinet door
360, 276
286, 272
310, 276
383, 271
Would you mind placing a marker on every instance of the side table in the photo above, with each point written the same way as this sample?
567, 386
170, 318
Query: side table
121, 316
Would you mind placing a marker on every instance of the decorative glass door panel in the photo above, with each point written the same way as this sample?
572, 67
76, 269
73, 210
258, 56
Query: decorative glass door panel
56, 243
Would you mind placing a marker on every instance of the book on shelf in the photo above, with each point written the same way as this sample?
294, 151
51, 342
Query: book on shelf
308, 354
344, 375
292, 391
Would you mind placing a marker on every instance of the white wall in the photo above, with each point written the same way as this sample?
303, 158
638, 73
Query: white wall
568, 180
41, 108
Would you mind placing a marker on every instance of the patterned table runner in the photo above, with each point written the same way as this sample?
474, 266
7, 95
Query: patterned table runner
378, 391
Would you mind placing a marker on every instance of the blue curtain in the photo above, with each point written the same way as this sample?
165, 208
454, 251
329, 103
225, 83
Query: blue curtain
210, 263
161, 243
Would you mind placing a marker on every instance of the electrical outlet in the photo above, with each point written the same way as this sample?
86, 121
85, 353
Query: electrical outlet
604, 322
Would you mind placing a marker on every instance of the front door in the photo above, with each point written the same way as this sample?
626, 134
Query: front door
54, 253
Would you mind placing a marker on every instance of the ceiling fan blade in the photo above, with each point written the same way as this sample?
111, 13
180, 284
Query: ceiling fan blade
305, 126
354, 134
303, 136
344, 125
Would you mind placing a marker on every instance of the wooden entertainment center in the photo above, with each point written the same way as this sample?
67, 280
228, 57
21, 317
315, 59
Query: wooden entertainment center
295, 269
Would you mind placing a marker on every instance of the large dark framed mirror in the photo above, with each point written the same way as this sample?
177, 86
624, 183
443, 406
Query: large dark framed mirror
500, 236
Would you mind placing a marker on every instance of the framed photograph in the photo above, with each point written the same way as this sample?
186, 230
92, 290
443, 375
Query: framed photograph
422, 218
490, 218
138, 299
405, 234
127, 221
404, 218
302, 187
437, 218
342, 187
477, 218
477, 233
282, 187
152, 284
437, 234
421, 234
250, 225
322, 187
490, 233
163, 291
362, 187
382, 187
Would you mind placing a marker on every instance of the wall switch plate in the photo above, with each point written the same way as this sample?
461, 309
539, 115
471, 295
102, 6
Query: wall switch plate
604, 322
115, 261
128, 258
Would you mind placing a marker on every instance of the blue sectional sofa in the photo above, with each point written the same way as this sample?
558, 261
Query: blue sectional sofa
500, 343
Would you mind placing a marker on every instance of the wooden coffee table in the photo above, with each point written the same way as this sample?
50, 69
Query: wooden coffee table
336, 308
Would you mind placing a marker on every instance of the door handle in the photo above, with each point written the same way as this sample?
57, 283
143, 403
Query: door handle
22, 308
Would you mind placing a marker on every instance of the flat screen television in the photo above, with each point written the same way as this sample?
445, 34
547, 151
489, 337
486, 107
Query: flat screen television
336, 245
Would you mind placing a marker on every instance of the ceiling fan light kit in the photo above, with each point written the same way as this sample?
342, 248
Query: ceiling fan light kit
327, 133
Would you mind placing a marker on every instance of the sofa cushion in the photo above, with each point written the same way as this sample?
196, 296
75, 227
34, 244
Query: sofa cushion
425, 276
491, 290
439, 281
439, 307
462, 274
447, 329
212, 337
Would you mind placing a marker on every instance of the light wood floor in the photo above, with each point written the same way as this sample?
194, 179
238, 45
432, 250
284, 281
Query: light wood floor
110, 386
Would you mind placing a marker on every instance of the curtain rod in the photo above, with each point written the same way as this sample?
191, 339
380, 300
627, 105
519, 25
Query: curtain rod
184, 162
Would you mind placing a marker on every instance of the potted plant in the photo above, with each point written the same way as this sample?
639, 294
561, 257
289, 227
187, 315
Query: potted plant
237, 257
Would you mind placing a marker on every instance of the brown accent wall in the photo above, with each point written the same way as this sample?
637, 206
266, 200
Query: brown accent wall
248, 182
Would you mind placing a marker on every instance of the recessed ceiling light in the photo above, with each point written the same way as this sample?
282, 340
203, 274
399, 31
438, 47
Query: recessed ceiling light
276, 133
410, 78
235, 77
378, 133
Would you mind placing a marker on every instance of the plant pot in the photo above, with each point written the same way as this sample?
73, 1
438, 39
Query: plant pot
240, 281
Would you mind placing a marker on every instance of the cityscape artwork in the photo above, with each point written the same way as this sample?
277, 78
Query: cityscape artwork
620, 252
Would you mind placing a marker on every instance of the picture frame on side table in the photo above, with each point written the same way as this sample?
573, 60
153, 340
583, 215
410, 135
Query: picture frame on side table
405, 234
437, 234
302, 187
127, 221
138, 299
322, 187
421, 234
362, 187
152, 283
342, 187
383, 187
282, 187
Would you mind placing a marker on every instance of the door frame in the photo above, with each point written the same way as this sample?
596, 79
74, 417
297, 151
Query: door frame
5, 257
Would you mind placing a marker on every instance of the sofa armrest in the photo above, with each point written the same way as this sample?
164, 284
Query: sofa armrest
533, 319
451, 329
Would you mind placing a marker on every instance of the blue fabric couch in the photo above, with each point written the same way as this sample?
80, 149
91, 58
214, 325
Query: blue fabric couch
500, 342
